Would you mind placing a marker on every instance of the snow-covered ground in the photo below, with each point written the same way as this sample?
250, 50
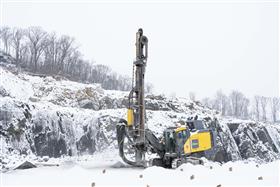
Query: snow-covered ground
102, 170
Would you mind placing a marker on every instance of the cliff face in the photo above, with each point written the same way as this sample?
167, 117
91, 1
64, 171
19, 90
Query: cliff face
49, 116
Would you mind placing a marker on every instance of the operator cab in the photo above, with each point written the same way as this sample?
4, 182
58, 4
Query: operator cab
195, 125
175, 138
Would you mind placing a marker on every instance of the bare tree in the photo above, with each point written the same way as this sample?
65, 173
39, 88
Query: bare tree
65, 49
239, 104
263, 106
149, 87
275, 105
256, 107
51, 52
6, 35
221, 102
244, 112
72, 62
16, 43
23, 56
234, 99
207, 102
38, 51
36, 38
102, 72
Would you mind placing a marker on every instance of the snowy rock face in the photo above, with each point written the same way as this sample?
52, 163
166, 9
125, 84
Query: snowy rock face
46, 116
256, 140
49, 130
240, 139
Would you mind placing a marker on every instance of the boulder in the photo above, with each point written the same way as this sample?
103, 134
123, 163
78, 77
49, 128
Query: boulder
26, 165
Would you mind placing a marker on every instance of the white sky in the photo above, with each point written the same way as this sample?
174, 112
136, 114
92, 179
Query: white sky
199, 47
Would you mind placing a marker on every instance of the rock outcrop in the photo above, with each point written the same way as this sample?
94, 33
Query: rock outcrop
48, 117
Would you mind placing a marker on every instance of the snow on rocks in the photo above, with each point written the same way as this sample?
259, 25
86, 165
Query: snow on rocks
14, 86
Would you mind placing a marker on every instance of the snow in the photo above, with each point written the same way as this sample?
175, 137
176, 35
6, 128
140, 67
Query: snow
15, 86
48, 89
98, 169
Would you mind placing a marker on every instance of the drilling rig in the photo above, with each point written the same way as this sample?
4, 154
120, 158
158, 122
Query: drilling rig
134, 140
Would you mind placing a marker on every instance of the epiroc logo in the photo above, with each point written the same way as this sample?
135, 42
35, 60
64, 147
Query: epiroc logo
195, 143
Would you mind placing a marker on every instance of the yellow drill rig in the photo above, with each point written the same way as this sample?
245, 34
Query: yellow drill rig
185, 143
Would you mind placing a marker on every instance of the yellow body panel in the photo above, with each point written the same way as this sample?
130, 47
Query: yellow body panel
198, 142
130, 117
180, 129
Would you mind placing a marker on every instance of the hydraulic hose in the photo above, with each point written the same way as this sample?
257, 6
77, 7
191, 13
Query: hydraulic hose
121, 135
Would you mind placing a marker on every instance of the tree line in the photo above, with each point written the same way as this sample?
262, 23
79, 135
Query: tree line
40, 52
236, 104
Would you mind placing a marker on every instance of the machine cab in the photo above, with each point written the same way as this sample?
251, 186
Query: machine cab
175, 138
195, 125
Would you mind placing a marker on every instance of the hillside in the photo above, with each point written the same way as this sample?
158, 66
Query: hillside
51, 116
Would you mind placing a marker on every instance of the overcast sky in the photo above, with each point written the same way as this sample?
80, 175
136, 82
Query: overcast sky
199, 47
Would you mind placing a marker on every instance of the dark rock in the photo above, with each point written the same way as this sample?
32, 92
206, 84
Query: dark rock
233, 127
34, 99
37, 128
152, 106
70, 152
221, 156
237, 140
119, 165
27, 114
40, 142
86, 144
245, 149
60, 125
262, 136
21, 123
3, 92
207, 119
85, 128
26, 165
156, 97
190, 106
174, 107
60, 148
192, 177
45, 158
109, 103
89, 104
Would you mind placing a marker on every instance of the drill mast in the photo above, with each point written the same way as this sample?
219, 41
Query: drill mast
133, 138
136, 96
